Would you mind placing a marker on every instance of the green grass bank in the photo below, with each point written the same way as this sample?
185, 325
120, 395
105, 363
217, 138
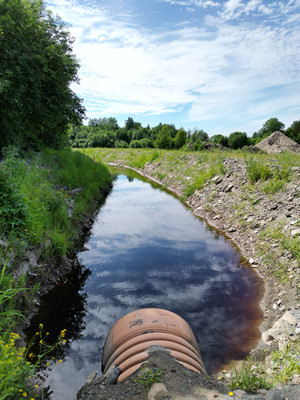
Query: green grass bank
45, 199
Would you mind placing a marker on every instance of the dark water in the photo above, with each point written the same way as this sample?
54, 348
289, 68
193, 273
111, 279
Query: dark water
148, 250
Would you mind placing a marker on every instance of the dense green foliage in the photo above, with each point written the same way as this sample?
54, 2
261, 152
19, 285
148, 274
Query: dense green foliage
37, 66
237, 140
105, 132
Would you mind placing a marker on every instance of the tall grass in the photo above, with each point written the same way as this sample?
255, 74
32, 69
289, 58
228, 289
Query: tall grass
199, 167
252, 376
14, 369
258, 171
35, 198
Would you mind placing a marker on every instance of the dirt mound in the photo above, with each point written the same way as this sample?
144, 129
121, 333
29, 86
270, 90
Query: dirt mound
180, 383
277, 142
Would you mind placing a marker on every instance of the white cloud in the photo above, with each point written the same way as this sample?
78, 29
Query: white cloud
215, 70
232, 9
197, 3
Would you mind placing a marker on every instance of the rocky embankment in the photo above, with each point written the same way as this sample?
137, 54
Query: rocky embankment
254, 221
260, 225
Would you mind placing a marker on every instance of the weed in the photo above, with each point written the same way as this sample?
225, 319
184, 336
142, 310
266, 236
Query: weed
257, 171
160, 176
154, 156
250, 377
286, 363
17, 364
16, 372
12, 204
204, 176
148, 376
9, 289
273, 186
285, 240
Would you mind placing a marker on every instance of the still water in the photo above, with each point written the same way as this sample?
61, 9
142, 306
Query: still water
148, 250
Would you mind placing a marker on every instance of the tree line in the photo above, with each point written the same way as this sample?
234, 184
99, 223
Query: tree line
38, 108
105, 132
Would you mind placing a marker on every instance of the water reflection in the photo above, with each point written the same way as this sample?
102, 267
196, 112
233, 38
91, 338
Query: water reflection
64, 307
148, 250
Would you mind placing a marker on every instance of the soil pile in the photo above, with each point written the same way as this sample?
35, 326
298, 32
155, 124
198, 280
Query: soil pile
178, 383
278, 143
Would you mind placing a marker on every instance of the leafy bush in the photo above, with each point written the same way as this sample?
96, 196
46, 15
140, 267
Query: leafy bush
237, 140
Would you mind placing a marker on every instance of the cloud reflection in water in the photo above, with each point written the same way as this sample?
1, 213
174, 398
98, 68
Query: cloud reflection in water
148, 250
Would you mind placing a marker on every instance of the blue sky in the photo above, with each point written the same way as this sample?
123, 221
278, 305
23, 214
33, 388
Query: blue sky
217, 65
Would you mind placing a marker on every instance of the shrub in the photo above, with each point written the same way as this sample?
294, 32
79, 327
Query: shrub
237, 140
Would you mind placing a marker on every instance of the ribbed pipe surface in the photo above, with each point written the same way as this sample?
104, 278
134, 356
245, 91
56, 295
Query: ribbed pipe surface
128, 340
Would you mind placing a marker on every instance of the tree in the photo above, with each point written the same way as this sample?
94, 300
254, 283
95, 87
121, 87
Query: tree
37, 67
109, 124
121, 144
146, 143
220, 139
294, 131
237, 140
270, 126
122, 135
199, 134
129, 124
164, 139
180, 139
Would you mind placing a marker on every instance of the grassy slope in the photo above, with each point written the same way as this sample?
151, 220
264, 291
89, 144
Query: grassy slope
190, 170
38, 215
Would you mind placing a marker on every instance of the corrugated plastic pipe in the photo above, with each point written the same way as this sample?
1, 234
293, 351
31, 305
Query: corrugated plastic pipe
128, 340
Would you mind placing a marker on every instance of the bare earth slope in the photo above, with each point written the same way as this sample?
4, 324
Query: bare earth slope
278, 143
